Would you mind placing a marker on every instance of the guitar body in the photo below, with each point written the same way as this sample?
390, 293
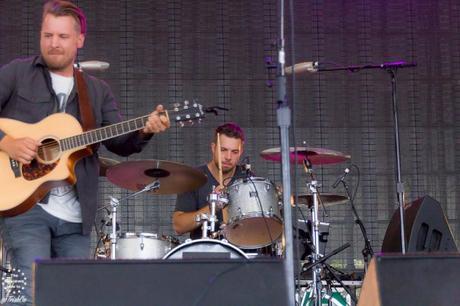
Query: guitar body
63, 143
21, 186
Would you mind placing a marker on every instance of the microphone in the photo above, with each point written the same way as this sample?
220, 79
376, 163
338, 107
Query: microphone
398, 64
341, 178
302, 67
92, 65
247, 166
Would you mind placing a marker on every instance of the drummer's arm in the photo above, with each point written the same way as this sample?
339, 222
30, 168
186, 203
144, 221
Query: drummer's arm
184, 222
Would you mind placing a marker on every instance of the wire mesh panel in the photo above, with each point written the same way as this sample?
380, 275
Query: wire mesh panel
222, 53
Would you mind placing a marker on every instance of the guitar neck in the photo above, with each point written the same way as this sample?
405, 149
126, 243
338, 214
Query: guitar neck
182, 113
103, 133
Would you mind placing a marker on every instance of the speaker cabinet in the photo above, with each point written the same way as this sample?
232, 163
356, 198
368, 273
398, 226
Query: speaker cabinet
426, 229
412, 280
159, 282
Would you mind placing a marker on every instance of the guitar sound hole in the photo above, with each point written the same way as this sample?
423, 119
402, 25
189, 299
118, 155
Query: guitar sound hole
48, 151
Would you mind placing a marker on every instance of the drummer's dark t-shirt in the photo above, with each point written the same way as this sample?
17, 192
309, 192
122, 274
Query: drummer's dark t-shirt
194, 200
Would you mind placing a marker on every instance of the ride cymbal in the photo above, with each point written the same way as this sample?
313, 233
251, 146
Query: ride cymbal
326, 199
317, 156
173, 177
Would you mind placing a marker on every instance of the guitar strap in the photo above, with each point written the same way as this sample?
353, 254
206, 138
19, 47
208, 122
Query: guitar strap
86, 112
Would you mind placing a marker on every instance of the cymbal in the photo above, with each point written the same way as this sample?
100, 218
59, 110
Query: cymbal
327, 199
173, 177
105, 163
317, 156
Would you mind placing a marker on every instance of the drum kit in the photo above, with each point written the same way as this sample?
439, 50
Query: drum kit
254, 226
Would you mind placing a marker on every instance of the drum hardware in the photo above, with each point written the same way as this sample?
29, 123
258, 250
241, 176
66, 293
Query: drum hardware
307, 156
313, 185
208, 221
317, 292
114, 203
330, 275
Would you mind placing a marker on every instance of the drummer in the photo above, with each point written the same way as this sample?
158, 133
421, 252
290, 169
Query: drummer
230, 137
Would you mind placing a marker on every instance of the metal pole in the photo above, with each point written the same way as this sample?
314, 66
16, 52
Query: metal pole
399, 183
284, 121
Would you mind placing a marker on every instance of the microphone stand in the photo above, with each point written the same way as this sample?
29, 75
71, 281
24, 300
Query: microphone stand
283, 114
367, 251
391, 68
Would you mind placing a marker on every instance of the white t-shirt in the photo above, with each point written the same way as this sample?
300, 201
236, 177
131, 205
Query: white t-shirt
63, 202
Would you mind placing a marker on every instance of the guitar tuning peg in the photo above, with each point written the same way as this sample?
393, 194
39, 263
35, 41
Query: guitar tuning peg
186, 102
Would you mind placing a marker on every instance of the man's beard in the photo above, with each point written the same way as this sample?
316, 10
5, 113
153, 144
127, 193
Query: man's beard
60, 64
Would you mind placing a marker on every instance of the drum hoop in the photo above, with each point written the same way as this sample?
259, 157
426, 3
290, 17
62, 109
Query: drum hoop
129, 235
254, 179
253, 214
212, 241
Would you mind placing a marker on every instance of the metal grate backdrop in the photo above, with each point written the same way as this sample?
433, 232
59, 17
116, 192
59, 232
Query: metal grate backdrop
217, 52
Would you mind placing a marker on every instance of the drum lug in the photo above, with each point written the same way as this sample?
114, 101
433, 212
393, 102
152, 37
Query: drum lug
142, 246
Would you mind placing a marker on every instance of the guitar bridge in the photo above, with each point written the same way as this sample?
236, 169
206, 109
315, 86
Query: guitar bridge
15, 167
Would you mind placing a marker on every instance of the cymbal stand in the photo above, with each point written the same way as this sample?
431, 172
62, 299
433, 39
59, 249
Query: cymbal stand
316, 279
114, 203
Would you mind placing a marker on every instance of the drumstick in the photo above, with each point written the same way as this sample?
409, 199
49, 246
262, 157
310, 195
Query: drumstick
219, 161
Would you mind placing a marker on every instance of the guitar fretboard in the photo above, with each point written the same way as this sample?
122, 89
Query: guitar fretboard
103, 133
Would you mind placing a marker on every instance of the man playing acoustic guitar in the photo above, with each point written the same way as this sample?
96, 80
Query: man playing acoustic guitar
33, 89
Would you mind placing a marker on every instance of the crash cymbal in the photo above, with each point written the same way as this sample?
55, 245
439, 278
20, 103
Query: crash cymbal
327, 199
173, 177
317, 156
105, 163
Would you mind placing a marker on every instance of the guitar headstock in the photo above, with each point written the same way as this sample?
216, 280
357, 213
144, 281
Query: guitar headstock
186, 113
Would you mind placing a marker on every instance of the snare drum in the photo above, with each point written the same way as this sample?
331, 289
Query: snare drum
254, 218
206, 249
142, 246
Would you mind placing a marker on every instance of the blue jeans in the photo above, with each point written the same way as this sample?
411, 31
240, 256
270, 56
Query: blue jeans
37, 234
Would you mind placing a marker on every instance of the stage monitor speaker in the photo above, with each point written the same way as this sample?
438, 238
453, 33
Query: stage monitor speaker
159, 282
426, 229
412, 280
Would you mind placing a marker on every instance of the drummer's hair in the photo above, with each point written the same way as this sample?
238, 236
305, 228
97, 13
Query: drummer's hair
61, 8
230, 129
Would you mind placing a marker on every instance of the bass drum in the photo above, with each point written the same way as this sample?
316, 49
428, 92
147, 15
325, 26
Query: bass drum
206, 249
143, 246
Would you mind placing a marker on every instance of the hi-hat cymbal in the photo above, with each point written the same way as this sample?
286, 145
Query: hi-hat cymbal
173, 177
106, 163
317, 156
325, 198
